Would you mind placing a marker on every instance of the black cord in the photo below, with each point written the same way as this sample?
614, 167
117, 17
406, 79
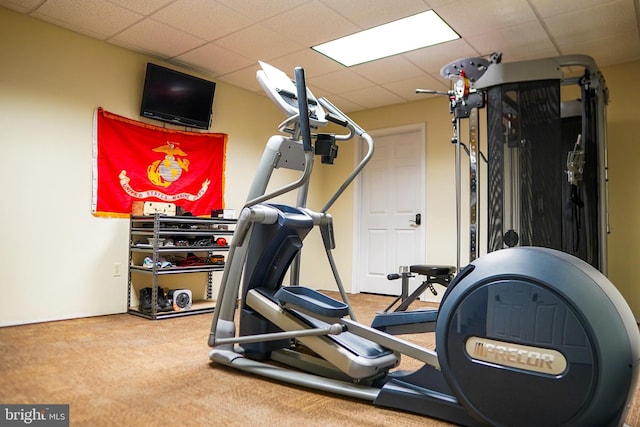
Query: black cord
578, 204
466, 150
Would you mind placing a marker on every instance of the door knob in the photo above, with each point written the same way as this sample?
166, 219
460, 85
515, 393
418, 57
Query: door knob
417, 221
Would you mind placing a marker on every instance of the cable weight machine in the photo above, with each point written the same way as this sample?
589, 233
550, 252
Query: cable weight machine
464, 103
547, 166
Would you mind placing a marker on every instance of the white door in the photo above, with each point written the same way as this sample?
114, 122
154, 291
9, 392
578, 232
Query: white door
390, 194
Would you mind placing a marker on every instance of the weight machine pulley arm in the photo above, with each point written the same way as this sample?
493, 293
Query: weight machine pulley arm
464, 102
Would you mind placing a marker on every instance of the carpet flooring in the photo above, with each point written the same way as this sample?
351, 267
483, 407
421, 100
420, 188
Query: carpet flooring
123, 370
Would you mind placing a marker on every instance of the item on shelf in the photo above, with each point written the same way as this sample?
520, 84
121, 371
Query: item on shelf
151, 208
137, 207
203, 242
162, 263
146, 295
152, 241
221, 241
217, 259
223, 213
180, 299
193, 260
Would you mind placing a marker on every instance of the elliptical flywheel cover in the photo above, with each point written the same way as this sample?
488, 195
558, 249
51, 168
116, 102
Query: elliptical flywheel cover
536, 337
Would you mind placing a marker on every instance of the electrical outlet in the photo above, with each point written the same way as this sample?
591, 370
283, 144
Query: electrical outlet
116, 269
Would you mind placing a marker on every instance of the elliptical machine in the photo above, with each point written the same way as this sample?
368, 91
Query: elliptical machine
536, 326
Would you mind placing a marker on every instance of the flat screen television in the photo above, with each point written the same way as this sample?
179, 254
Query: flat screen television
174, 97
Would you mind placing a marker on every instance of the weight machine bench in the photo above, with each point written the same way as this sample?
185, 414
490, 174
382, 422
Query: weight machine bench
400, 321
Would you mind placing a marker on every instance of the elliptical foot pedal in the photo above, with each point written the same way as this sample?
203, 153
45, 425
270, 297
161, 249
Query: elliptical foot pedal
406, 322
311, 302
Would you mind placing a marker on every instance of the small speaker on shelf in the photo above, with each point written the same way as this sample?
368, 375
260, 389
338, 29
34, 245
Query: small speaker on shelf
181, 299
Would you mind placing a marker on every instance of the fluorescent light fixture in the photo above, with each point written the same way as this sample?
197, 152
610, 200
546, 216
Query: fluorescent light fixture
413, 32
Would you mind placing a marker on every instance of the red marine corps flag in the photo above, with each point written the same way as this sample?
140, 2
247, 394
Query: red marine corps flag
136, 161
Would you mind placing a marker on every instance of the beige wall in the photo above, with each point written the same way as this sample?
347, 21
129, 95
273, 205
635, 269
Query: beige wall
57, 260
623, 124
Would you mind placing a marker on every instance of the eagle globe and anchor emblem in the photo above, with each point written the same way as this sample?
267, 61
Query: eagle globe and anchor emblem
168, 170
164, 172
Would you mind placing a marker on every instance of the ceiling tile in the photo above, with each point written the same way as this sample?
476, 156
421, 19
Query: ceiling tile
524, 41
205, 19
607, 51
23, 6
261, 10
215, 59
152, 36
433, 58
97, 18
547, 8
340, 81
407, 88
370, 13
374, 97
439, 3
314, 63
473, 17
259, 42
344, 104
144, 7
592, 23
387, 70
311, 24
245, 78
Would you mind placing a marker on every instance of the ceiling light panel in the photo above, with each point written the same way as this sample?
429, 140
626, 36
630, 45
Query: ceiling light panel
406, 34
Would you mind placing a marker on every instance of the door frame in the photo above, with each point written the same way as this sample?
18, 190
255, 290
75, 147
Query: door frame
357, 193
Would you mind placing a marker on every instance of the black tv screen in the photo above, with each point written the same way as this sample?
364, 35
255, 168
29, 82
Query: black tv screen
174, 97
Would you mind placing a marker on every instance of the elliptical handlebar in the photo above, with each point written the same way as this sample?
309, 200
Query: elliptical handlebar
303, 108
305, 111
356, 171
302, 180
301, 115
337, 120
339, 117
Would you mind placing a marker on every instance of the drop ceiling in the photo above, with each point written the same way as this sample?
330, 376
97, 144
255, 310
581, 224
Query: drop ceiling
224, 39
